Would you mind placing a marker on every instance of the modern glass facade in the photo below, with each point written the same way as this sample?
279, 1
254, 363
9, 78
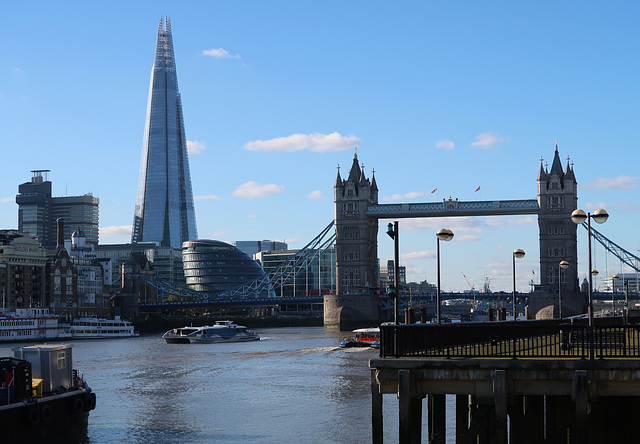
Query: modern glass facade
213, 266
317, 278
164, 209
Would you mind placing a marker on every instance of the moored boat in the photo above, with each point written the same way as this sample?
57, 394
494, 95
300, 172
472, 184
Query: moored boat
41, 395
363, 337
222, 331
31, 324
99, 328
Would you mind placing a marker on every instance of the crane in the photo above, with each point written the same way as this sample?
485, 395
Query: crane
472, 287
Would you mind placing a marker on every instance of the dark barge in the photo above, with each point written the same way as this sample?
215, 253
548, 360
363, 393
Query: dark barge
41, 395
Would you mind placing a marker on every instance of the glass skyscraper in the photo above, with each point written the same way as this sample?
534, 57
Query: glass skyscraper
164, 209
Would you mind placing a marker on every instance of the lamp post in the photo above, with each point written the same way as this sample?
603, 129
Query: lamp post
614, 278
518, 253
392, 231
443, 234
561, 265
579, 217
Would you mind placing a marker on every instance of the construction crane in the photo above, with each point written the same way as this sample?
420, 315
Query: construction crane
471, 286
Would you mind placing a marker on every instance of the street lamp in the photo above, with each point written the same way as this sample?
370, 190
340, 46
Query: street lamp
579, 217
443, 234
394, 289
561, 265
516, 254
614, 278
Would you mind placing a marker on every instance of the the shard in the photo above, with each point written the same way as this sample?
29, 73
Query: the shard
164, 209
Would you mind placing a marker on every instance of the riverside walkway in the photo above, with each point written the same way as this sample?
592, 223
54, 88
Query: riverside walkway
514, 382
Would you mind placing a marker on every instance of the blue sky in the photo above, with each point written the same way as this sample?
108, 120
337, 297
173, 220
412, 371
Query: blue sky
276, 95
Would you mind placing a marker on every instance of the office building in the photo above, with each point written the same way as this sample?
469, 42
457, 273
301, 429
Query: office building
316, 277
38, 211
164, 210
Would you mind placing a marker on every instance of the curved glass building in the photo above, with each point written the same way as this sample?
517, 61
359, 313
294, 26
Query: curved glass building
212, 266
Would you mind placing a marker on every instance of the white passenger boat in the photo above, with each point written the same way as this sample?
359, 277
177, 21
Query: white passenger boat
99, 328
222, 331
31, 324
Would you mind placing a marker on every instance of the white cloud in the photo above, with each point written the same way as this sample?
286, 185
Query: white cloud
397, 197
446, 144
7, 199
115, 231
487, 140
613, 183
468, 237
253, 190
207, 197
501, 221
467, 224
293, 240
316, 142
419, 255
316, 195
195, 147
219, 53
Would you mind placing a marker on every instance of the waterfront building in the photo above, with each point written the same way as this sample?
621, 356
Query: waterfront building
38, 211
253, 247
213, 266
316, 277
23, 263
166, 261
164, 211
626, 282
77, 282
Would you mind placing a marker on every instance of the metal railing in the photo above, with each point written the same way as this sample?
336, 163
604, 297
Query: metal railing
517, 340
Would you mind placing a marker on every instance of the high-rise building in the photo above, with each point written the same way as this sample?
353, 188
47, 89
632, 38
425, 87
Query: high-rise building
164, 210
38, 211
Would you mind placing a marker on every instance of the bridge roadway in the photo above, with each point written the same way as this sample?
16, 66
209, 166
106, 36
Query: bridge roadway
454, 208
385, 301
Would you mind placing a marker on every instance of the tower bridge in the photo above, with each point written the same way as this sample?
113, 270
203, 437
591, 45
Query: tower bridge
356, 224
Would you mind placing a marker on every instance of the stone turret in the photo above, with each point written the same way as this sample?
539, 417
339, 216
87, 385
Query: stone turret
557, 198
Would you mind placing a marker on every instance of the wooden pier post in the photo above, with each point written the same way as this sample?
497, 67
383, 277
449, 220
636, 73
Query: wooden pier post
376, 409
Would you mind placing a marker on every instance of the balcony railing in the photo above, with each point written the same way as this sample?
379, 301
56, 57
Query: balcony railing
517, 340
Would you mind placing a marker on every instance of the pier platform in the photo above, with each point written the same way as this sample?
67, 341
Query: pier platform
517, 382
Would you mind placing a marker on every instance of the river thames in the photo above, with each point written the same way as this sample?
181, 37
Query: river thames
295, 385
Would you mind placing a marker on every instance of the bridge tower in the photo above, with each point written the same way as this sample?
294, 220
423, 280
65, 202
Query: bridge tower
557, 198
356, 252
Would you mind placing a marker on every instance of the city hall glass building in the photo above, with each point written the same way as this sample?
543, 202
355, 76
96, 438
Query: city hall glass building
213, 266
164, 210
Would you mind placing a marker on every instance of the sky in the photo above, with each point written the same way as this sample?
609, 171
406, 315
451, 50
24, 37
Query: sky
452, 96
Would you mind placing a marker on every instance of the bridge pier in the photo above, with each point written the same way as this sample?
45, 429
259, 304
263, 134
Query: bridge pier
350, 311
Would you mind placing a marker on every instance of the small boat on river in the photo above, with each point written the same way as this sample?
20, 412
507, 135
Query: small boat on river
222, 331
363, 337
